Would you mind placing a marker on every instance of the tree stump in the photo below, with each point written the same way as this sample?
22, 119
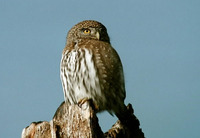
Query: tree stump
72, 121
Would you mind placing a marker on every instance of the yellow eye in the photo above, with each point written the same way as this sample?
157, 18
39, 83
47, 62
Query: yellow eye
86, 31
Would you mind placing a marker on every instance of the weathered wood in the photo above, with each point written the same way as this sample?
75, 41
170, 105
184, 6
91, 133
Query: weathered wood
37, 130
73, 121
129, 128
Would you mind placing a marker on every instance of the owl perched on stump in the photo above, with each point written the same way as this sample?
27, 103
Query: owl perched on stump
91, 69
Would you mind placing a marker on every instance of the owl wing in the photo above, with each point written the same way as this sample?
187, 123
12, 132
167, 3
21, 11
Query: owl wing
110, 70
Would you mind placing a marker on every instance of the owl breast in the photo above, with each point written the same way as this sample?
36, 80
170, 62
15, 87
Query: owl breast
80, 77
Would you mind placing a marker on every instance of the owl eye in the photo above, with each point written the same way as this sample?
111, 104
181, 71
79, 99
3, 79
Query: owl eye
86, 31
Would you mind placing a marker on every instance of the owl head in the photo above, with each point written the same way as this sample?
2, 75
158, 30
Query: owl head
89, 29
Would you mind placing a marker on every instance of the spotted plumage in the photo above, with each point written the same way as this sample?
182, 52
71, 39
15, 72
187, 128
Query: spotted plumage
91, 68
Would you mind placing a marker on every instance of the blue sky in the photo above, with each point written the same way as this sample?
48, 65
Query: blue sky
158, 42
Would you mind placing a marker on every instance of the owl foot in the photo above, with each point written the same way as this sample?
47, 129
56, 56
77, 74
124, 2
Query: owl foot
91, 103
82, 101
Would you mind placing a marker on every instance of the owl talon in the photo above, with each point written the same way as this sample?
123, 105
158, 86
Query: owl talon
94, 106
82, 101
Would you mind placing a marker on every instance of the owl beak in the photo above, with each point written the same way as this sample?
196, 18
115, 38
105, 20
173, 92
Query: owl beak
98, 35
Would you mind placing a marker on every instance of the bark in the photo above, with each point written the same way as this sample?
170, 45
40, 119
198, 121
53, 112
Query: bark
74, 121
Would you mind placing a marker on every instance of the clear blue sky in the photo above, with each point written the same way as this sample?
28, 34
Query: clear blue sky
158, 42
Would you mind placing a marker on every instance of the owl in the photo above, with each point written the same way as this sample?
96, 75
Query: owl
91, 69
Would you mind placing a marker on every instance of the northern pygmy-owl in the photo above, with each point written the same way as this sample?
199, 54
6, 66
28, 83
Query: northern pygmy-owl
92, 69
